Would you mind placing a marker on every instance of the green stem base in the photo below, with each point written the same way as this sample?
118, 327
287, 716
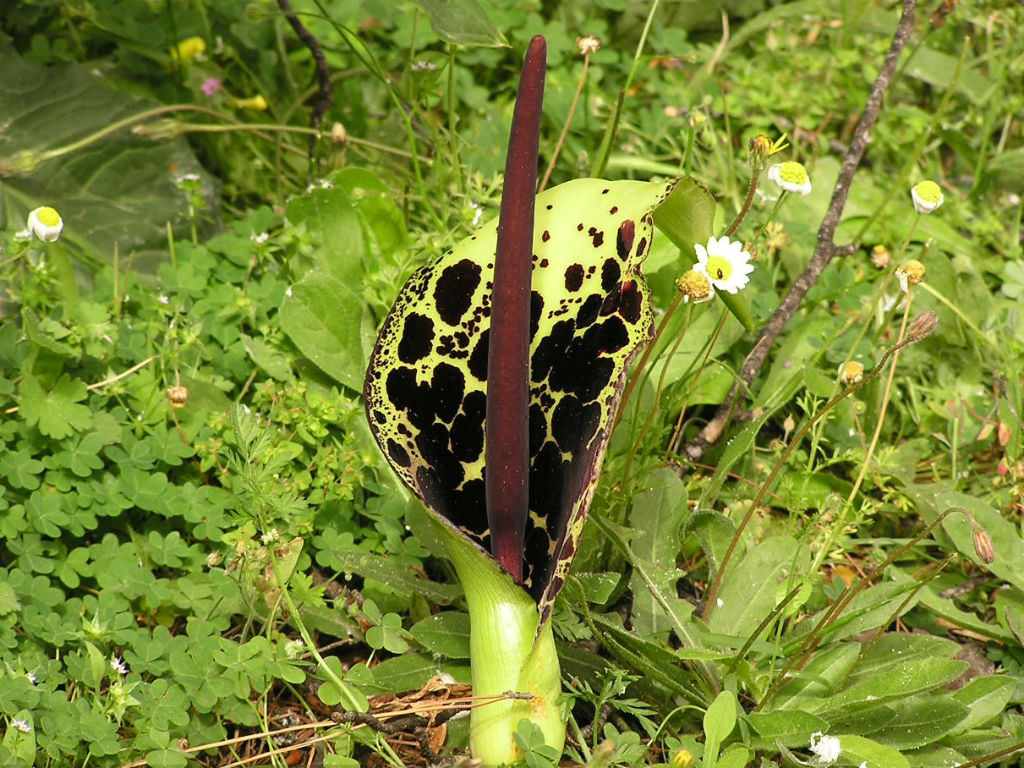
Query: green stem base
507, 654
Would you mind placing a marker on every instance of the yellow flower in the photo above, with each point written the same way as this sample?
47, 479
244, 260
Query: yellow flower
256, 102
188, 50
45, 223
927, 196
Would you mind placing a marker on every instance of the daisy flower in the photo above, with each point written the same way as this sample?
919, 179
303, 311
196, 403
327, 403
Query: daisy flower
791, 177
851, 372
45, 223
927, 196
725, 263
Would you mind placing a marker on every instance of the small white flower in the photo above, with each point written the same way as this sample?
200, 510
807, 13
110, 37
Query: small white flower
45, 223
32, 677
424, 66
21, 725
118, 666
187, 178
261, 238
293, 649
826, 749
725, 263
927, 196
791, 176
164, 299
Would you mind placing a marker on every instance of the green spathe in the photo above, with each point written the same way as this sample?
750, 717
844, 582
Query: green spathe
508, 655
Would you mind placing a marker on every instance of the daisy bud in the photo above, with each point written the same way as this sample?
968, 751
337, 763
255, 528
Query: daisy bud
338, 135
257, 103
682, 758
983, 547
910, 273
695, 286
927, 196
45, 223
791, 177
923, 326
850, 372
177, 396
587, 45
880, 256
760, 146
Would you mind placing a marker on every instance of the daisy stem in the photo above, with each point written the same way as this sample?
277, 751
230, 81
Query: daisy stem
657, 393
886, 393
568, 122
746, 204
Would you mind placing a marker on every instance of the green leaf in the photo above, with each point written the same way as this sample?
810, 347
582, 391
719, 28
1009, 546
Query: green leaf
658, 514
463, 22
857, 750
330, 325
719, 720
986, 699
750, 587
55, 413
446, 634
116, 193
687, 217
791, 728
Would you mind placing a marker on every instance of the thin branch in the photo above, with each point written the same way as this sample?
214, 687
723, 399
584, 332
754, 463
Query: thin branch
324, 95
826, 248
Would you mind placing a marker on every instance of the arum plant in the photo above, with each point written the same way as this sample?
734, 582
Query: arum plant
492, 389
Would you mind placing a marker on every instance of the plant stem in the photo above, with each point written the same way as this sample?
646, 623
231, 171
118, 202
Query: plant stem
509, 652
568, 122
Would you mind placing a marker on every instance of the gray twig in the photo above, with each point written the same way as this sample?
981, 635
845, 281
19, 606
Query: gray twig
324, 97
825, 250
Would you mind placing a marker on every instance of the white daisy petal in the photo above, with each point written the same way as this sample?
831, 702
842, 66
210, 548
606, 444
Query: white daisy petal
725, 264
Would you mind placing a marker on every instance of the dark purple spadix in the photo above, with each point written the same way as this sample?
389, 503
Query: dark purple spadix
507, 457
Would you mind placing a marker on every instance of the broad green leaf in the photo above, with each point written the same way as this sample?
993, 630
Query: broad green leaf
986, 699
402, 579
938, 69
658, 514
719, 720
870, 609
751, 585
687, 217
445, 633
328, 215
827, 669
792, 728
857, 750
266, 357
116, 193
735, 756
918, 721
330, 324
463, 22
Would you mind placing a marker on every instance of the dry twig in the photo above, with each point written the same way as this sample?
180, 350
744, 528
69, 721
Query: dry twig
825, 250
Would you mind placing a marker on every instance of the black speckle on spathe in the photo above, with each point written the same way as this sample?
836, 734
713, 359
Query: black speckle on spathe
478, 358
573, 277
446, 387
608, 336
536, 310
610, 274
547, 471
545, 236
433, 446
614, 210
543, 263
588, 312
579, 227
454, 291
624, 238
417, 338
596, 236
398, 454
641, 247
550, 349
573, 424
549, 206
630, 302
605, 191
538, 428
468, 428
405, 394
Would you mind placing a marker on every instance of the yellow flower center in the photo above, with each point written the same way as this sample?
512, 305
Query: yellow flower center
793, 173
929, 191
48, 217
719, 268
695, 285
